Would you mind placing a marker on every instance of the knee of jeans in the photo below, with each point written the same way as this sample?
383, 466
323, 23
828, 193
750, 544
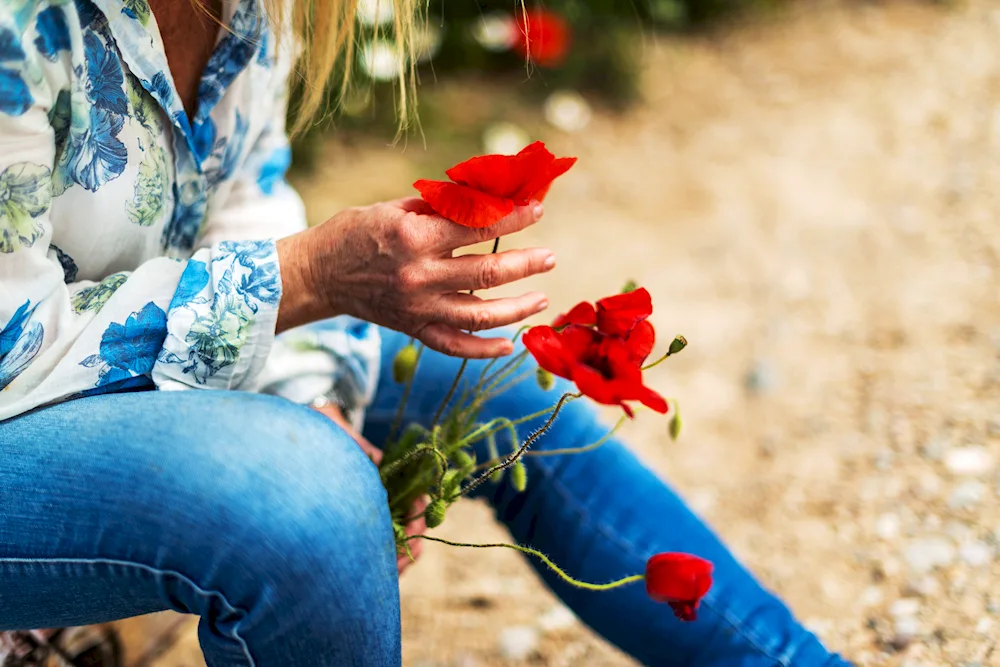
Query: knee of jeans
306, 510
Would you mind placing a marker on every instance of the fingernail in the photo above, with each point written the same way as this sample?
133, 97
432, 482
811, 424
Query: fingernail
538, 210
550, 262
542, 306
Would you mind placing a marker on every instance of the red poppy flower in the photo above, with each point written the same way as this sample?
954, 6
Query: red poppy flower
680, 580
484, 189
605, 368
621, 315
543, 36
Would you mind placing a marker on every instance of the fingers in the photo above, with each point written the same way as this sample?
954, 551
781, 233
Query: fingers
477, 272
469, 312
415, 527
456, 343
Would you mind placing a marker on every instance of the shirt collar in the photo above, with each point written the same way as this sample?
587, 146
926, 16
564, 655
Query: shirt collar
138, 39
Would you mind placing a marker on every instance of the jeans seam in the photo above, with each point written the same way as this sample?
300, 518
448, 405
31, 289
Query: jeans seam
629, 548
151, 570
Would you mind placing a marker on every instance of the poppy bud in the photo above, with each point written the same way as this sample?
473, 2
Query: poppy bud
680, 580
434, 514
461, 459
675, 423
630, 286
450, 483
405, 364
544, 379
677, 344
519, 477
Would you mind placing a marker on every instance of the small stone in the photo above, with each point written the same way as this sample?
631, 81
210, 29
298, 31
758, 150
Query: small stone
970, 460
905, 607
556, 619
518, 642
907, 626
976, 553
926, 587
898, 643
993, 606
933, 450
761, 378
958, 531
872, 596
883, 459
993, 428
967, 494
984, 625
887, 526
923, 555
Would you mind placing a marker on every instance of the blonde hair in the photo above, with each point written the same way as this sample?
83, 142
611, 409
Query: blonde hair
326, 32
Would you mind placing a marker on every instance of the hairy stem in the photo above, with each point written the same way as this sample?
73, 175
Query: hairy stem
510, 460
546, 560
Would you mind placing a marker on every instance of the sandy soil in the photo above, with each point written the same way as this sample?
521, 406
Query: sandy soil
821, 223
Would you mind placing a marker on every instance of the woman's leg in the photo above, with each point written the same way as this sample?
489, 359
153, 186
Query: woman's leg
601, 515
259, 515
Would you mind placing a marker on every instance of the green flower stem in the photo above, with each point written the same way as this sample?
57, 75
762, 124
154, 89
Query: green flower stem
502, 423
505, 387
451, 392
505, 371
545, 559
571, 450
486, 369
659, 361
465, 362
397, 421
510, 460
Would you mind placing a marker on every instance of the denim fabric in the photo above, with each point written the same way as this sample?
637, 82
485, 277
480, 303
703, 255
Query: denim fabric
275, 531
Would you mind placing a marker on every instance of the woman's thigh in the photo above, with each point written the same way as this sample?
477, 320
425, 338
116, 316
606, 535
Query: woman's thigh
217, 503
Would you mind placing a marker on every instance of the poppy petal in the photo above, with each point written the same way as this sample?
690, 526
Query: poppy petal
498, 175
550, 351
678, 577
581, 342
653, 401
582, 313
640, 341
466, 206
617, 315
596, 386
538, 186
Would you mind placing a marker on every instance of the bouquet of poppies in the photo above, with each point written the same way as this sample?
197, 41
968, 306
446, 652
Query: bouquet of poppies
601, 348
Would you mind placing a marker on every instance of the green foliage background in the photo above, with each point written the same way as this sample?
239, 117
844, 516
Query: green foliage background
603, 62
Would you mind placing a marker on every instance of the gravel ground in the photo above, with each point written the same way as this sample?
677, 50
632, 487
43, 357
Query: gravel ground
822, 226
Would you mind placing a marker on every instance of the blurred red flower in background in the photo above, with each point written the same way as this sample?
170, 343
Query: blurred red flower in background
543, 36
680, 580
485, 189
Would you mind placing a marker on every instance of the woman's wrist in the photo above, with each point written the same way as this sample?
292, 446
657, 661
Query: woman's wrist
301, 303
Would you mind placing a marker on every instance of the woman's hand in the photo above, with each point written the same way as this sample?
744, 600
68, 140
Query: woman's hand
415, 527
393, 264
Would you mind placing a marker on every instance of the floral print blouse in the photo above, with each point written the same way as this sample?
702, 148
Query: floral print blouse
136, 243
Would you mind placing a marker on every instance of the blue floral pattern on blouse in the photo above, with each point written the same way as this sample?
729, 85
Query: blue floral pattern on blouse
136, 242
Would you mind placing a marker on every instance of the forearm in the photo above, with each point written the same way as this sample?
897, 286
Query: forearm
300, 302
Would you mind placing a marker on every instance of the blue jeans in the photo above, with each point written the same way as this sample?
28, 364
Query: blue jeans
267, 520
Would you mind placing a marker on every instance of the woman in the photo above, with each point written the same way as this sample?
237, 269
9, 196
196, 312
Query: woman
142, 154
